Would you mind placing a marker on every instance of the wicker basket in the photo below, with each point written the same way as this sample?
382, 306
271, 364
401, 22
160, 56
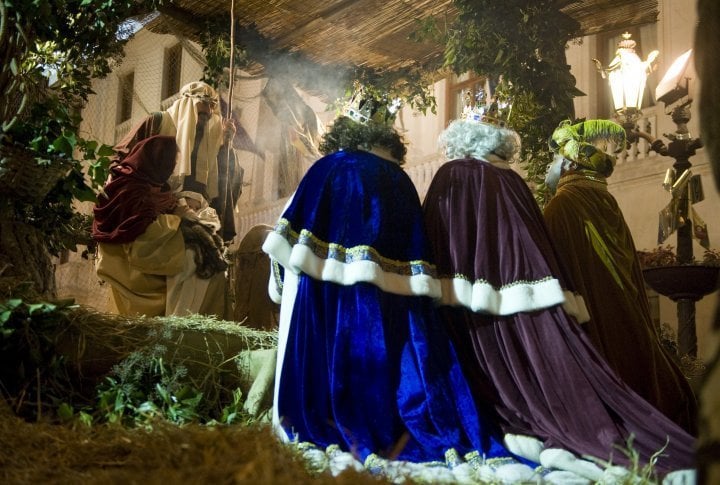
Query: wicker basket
22, 177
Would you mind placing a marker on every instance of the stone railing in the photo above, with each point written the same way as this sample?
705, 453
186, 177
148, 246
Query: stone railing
422, 174
267, 214
641, 148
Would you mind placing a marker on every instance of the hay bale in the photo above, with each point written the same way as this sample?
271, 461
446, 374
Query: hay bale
65, 354
43, 453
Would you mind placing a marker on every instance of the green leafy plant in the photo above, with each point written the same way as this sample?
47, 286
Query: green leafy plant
51, 52
233, 412
31, 370
146, 386
666, 256
143, 387
711, 257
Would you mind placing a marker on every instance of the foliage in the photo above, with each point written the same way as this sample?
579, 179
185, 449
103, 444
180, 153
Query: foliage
144, 388
215, 41
711, 257
150, 384
660, 256
28, 356
523, 42
62, 361
413, 85
52, 50
665, 256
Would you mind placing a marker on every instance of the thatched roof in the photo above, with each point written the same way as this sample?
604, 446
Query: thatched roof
372, 33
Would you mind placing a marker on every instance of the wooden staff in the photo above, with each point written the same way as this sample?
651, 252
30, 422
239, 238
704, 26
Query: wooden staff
231, 82
228, 116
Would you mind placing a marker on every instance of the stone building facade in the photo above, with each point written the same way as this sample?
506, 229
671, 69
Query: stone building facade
155, 64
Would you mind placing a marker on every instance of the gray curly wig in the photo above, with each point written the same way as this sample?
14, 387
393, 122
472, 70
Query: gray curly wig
463, 139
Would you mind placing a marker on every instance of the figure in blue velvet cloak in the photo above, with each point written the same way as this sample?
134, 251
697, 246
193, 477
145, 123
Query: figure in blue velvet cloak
363, 362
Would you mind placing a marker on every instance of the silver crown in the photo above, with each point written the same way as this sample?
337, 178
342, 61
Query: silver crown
484, 107
364, 108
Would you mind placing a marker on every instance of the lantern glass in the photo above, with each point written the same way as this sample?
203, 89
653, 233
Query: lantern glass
628, 83
627, 74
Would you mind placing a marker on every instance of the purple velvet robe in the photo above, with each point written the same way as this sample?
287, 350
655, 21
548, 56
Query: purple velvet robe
526, 358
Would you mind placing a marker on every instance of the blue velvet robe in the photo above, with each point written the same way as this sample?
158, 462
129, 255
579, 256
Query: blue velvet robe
363, 360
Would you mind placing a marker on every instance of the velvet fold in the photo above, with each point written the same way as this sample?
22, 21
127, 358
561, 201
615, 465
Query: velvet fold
489, 267
589, 230
137, 192
536, 369
363, 361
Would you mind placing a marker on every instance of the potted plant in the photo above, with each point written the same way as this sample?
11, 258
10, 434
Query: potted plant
691, 281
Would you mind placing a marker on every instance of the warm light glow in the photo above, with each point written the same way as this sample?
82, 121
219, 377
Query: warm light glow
628, 74
628, 82
675, 83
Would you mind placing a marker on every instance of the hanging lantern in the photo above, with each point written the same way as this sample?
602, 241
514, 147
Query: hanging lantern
627, 74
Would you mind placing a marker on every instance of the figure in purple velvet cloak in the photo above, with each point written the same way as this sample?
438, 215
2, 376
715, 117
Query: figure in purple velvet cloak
507, 305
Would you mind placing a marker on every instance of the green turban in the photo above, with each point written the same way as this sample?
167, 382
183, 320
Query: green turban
576, 143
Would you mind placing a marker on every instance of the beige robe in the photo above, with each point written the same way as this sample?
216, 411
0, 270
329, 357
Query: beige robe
187, 294
137, 271
179, 121
155, 275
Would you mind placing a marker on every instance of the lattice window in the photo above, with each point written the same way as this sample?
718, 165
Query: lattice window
125, 97
456, 88
171, 71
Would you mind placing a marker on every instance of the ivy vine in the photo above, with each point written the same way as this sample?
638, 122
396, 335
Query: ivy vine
523, 41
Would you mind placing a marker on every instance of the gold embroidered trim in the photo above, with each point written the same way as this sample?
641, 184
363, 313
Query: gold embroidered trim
337, 252
458, 276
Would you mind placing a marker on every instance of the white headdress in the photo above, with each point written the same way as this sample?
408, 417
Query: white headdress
184, 115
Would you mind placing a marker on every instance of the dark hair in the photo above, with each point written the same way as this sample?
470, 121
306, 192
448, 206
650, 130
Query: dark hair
346, 134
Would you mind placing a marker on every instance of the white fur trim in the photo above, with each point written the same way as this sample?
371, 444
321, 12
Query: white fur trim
286, 307
523, 296
300, 259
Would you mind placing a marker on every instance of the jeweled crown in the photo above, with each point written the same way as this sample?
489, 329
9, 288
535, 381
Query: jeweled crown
364, 107
485, 106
